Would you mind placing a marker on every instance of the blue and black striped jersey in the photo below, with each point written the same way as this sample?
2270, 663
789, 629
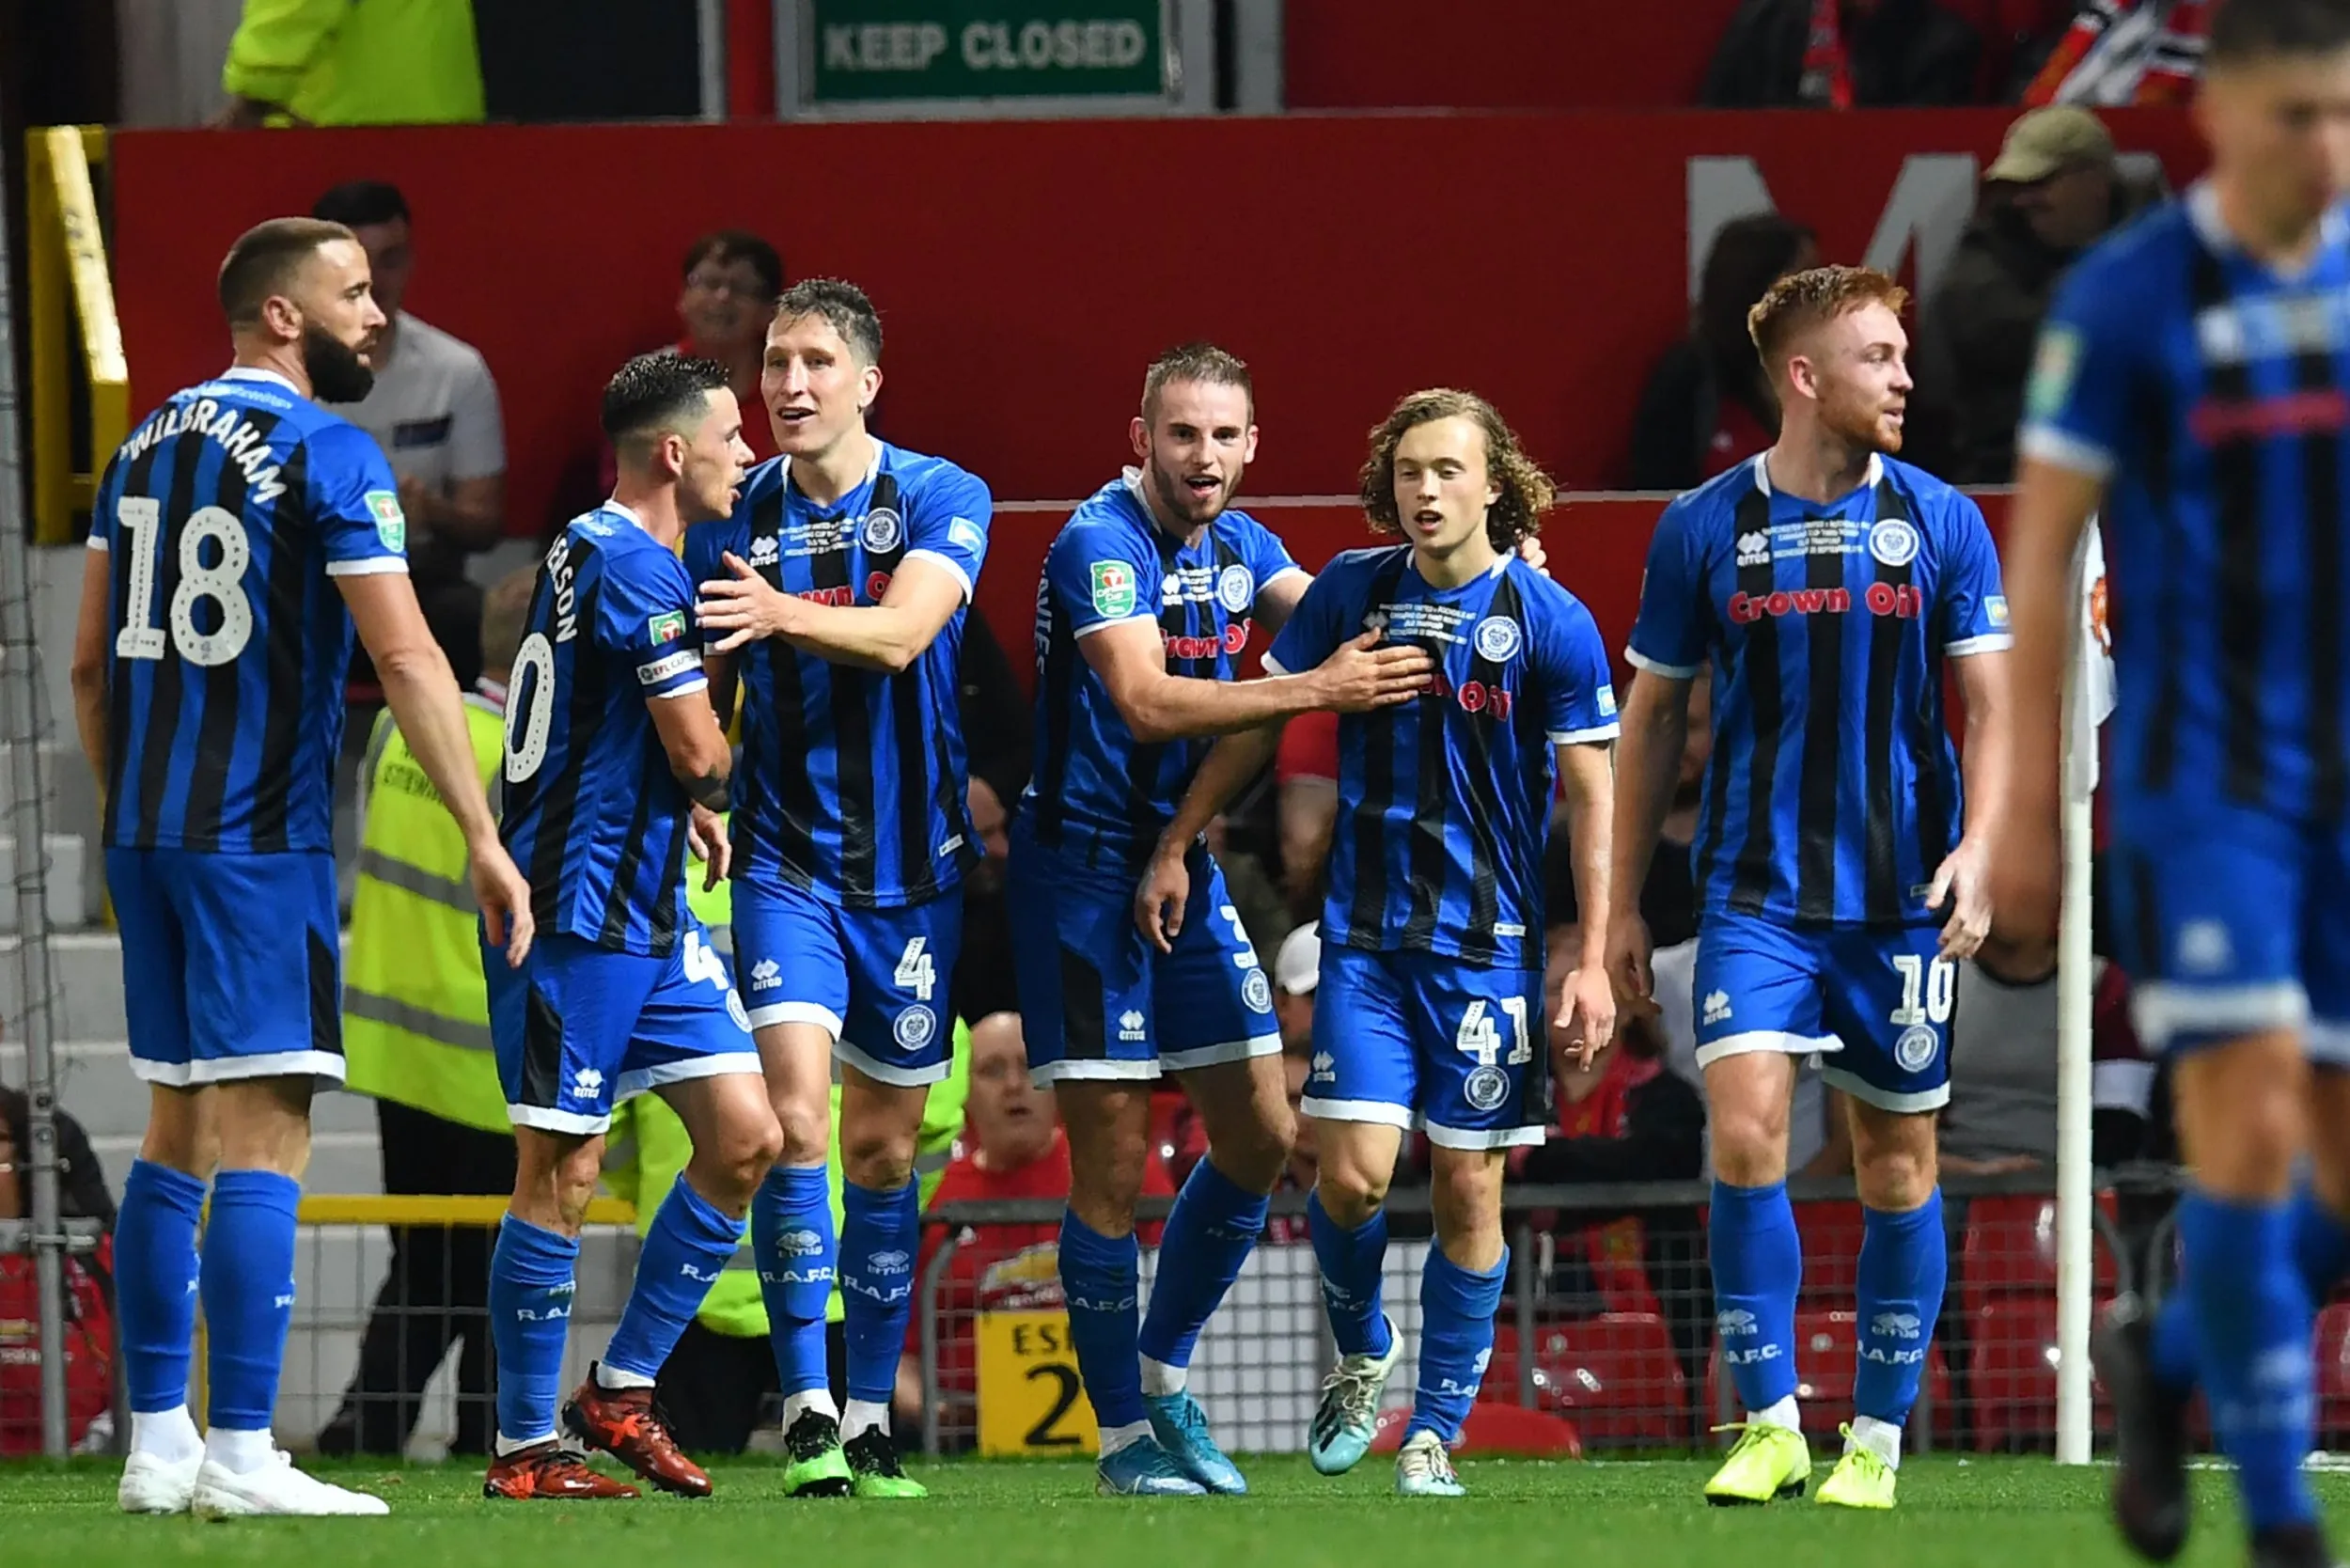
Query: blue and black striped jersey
2213, 393
854, 784
224, 515
1096, 791
1833, 792
1444, 801
593, 815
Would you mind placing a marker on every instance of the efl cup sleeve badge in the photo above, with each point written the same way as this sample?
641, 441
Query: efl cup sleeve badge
1498, 638
1113, 589
668, 626
882, 531
1893, 541
1236, 589
391, 523
2053, 368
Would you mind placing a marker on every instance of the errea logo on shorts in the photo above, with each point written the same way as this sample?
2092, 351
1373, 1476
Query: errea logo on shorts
1130, 1025
2204, 949
765, 974
1718, 1006
587, 1084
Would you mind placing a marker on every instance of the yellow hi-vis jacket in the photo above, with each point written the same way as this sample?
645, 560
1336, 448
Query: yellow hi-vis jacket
340, 62
416, 1012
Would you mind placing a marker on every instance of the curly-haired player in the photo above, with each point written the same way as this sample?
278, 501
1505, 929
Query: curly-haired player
1428, 1007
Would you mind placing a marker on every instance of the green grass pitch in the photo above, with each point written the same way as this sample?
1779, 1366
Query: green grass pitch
1984, 1513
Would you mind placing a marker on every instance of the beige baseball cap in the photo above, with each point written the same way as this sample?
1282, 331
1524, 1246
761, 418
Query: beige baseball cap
2047, 141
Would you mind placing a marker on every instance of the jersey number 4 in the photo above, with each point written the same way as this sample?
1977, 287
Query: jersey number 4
141, 532
915, 972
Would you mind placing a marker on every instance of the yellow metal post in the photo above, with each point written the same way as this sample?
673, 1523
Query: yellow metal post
68, 255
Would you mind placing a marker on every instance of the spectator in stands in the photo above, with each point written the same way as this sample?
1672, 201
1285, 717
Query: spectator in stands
2051, 193
415, 1028
338, 62
995, 719
2117, 51
1015, 1148
435, 410
90, 1325
1843, 55
1305, 804
1708, 405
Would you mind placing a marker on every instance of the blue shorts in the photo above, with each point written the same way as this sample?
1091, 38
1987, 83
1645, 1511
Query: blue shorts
876, 979
231, 964
1411, 1038
1876, 1002
2234, 924
1098, 1001
580, 1027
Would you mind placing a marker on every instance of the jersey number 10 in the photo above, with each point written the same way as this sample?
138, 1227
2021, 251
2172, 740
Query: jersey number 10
141, 519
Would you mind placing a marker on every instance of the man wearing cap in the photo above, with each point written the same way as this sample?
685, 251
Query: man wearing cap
2052, 191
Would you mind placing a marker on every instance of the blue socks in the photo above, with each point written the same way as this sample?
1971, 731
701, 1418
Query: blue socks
689, 1245
1905, 1263
1757, 1269
2252, 1316
1456, 1341
792, 1237
530, 1315
2321, 1255
880, 1234
1351, 1262
1100, 1278
155, 1282
1209, 1235
247, 1286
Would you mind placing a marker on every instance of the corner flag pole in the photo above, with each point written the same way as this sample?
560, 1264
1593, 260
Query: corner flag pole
2075, 988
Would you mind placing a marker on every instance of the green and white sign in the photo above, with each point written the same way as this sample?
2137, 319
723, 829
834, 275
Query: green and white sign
878, 50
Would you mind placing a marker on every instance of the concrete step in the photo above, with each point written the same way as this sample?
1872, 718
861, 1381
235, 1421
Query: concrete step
85, 987
69, 807
63, 867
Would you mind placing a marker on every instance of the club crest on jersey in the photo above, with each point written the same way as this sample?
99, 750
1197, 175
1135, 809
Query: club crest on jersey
1914, 1050
882, 531
668, 626
915, 1027
391, 523
1893, 541
1487, 1087
1237, 589
1498, 638
1113, 589
1256, 991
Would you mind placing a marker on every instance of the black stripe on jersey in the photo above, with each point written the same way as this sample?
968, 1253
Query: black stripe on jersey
612, 933
2148, 933
1820, 769
294, 536
326, 996
2237, 497
951, 800
164, 692
136, 479
665, 902
558, 798
854, 786
542, 1052
1881, 883
1084, 1026
907, 718
1057, 661
1750, 882
1426, 859
1145, 761
217, 730
2321, 499
790, 829
1367, 912
1478, 943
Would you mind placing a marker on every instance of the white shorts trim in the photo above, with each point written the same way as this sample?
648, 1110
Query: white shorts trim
98, 541
1084, 632
2164, 1011
2127, 1083
1488, 1138
1214, 1055
1639, 660
1378, 1112
1584, 737
573, 1122
2064, 450
324, 1065
717, 1065
1779, 1041
2326, 1043
1272, 665
796, 1012
881, 1072
1990, 642
368, 566
947, 564
1886, 1100
1093, 1070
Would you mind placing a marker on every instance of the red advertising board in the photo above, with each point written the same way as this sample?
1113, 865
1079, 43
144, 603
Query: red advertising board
1027, 271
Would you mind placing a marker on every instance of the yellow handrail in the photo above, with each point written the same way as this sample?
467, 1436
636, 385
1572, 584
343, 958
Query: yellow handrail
67, 254
334, 1209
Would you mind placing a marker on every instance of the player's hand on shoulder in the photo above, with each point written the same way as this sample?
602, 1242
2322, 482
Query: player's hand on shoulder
706, 834
1587, 1016
504, 898
1963, 886
1530, 551
1159, 901
741, 606
1366, 673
